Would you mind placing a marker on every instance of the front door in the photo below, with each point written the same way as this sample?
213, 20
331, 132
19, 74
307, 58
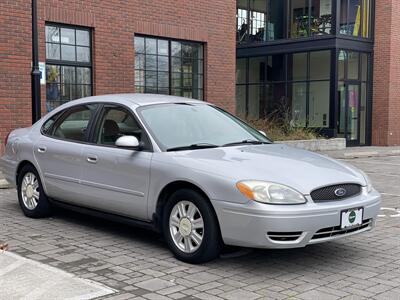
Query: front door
116, 180
349, 113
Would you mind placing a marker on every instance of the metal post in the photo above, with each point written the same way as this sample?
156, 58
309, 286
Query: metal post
35, 87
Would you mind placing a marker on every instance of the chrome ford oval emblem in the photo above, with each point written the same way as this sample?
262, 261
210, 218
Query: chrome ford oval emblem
340, 192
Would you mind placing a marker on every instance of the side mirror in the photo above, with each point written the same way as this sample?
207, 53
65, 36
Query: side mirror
127, 141
262, 132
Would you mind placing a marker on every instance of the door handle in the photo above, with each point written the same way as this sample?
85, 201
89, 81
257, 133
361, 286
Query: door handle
92, 159
42, 149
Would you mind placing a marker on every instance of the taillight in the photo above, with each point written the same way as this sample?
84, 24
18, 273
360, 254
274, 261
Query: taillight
6, 139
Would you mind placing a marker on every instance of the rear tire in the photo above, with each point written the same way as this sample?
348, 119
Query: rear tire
32, 199
191, 228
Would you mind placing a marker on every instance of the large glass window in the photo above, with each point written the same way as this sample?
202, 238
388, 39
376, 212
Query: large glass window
168, 67
258, 20
298, 95
297, 84
355, 18
276, 21
269, 20
310, 17
242, 25
68, 64
310, 88
354, 80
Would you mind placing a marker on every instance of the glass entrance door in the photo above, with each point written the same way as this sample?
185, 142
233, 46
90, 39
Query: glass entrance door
349, 113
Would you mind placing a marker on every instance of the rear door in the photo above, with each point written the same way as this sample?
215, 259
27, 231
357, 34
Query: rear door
59, 151
116, 180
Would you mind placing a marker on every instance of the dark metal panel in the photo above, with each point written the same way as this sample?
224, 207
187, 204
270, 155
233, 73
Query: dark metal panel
334, 104
347, 43
288, 46
304, 45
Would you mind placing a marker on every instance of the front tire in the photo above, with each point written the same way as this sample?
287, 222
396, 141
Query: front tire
32, 199
191, 228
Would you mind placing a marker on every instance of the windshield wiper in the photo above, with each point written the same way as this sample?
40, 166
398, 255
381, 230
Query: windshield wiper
193, 147
250, 142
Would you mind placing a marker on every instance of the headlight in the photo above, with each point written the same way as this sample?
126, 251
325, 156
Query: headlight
367, 182
268, 192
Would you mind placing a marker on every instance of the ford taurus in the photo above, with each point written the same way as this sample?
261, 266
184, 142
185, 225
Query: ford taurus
190, 170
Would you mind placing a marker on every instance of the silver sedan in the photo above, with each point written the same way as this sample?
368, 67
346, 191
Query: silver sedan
190, 170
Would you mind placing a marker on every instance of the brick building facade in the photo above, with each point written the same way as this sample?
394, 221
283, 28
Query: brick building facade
386, 84
113, 25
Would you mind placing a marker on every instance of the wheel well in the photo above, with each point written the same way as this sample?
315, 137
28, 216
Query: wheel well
168, 190
20, 166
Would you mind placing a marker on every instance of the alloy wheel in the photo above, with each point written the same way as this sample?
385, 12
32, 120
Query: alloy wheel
186, 226
30, 191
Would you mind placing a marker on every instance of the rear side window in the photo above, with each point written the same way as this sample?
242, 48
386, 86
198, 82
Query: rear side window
48, 125
73, 125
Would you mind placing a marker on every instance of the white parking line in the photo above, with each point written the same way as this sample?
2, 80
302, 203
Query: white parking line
397, 211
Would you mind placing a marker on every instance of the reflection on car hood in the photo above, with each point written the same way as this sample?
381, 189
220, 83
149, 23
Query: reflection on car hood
299, 169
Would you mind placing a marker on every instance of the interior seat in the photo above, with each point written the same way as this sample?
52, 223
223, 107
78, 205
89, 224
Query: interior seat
111, 132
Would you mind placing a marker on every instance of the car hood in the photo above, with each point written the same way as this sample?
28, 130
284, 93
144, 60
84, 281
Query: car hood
299, 169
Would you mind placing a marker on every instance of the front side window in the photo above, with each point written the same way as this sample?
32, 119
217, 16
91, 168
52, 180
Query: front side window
68, 64
118, 122
73, 125
179, 125
169, 67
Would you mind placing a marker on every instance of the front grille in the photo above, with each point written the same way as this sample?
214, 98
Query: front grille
336, 230
334, 192
284, 236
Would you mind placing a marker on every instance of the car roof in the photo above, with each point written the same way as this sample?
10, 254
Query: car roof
137, 99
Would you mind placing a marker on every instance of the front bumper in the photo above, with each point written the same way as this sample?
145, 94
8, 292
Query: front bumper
261, 225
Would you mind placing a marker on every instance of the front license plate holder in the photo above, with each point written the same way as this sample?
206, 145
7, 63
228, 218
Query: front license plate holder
352, 217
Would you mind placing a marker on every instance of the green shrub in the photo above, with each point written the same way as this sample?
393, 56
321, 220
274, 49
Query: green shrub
280, 125
281, 132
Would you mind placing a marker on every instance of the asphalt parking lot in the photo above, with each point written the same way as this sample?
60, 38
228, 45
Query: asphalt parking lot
138, 265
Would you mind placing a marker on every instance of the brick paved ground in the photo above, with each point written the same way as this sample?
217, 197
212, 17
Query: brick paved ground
138, 264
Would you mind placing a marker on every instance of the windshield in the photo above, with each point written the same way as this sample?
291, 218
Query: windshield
183, 125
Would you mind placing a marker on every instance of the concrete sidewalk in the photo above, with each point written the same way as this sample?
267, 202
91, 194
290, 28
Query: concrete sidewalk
22, 278
359, 152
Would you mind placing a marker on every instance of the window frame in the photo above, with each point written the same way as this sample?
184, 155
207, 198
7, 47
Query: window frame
171, 88
67, 63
